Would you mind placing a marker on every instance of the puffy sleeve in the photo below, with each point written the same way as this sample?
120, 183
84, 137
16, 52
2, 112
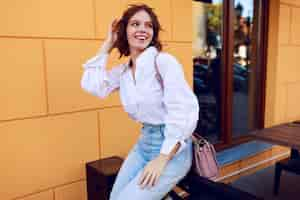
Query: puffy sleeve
96, 80
180, 102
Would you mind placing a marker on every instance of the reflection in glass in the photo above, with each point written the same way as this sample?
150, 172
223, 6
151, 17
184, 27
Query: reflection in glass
207, 40
243, 69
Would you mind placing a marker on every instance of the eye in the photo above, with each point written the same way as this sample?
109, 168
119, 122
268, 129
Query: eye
134, 23
150, 25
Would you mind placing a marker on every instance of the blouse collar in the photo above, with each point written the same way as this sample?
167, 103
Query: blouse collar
148, 54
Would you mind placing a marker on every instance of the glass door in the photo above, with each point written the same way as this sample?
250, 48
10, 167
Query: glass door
229, 67
207, 52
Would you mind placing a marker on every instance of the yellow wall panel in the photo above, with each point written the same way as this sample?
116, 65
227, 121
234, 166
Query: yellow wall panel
42, 76
291, 2
106, 11
295, 26
288, 69
37, 154
272, 63
284, 24
118, 133
64, 75
74, 191
47, 195
22, 82
283, 77
55, 18
183, 52
21, 18
182, 20
280, 104
163, 11
293, 96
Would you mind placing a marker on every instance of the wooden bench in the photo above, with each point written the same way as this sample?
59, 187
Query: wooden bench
291, 164
101, 175
200, 188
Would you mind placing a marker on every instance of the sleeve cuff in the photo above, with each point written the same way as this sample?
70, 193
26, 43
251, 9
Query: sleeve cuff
169, 144
96, 61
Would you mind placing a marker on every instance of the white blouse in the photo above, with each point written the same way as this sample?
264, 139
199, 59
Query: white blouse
143, 99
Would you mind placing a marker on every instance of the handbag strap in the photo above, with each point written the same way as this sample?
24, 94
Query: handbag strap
199, 140
196, 138
158, 75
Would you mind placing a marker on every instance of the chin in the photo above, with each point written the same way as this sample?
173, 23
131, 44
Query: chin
141, 47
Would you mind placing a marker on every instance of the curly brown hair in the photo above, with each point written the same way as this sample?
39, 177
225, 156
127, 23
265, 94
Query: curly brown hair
122, 43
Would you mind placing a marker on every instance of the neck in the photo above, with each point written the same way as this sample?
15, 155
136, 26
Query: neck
134, 53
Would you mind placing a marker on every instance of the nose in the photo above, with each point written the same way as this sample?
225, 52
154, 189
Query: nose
142, 28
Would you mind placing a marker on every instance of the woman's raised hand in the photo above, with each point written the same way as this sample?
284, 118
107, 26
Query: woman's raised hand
112, 31
111, 38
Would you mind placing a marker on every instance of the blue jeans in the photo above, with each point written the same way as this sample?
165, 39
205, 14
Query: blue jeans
146, 149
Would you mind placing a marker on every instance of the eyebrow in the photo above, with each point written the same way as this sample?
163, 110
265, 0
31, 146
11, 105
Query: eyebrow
135, 20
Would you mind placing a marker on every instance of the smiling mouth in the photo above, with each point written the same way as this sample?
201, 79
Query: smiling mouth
141, 37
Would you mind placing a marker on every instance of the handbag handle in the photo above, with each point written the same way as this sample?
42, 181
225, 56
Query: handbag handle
158, 75
196, 138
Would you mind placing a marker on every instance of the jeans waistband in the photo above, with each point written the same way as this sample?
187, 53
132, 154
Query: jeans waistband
152, 125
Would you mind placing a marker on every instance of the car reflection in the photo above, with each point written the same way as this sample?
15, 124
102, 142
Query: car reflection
203, 78
207, 87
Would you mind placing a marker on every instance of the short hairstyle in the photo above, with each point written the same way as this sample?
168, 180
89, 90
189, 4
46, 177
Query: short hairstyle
121, 43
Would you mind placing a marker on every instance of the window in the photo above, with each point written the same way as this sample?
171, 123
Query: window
229, 67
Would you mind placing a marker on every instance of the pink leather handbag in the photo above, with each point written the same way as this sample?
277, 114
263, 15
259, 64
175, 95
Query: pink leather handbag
204, 159
205, 163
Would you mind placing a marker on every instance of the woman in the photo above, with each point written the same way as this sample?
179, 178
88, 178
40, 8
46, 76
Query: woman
163, 154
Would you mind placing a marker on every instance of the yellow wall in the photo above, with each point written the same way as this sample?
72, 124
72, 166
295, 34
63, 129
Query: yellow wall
283, 71
49, 127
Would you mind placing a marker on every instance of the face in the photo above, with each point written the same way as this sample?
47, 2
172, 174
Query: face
139, 31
